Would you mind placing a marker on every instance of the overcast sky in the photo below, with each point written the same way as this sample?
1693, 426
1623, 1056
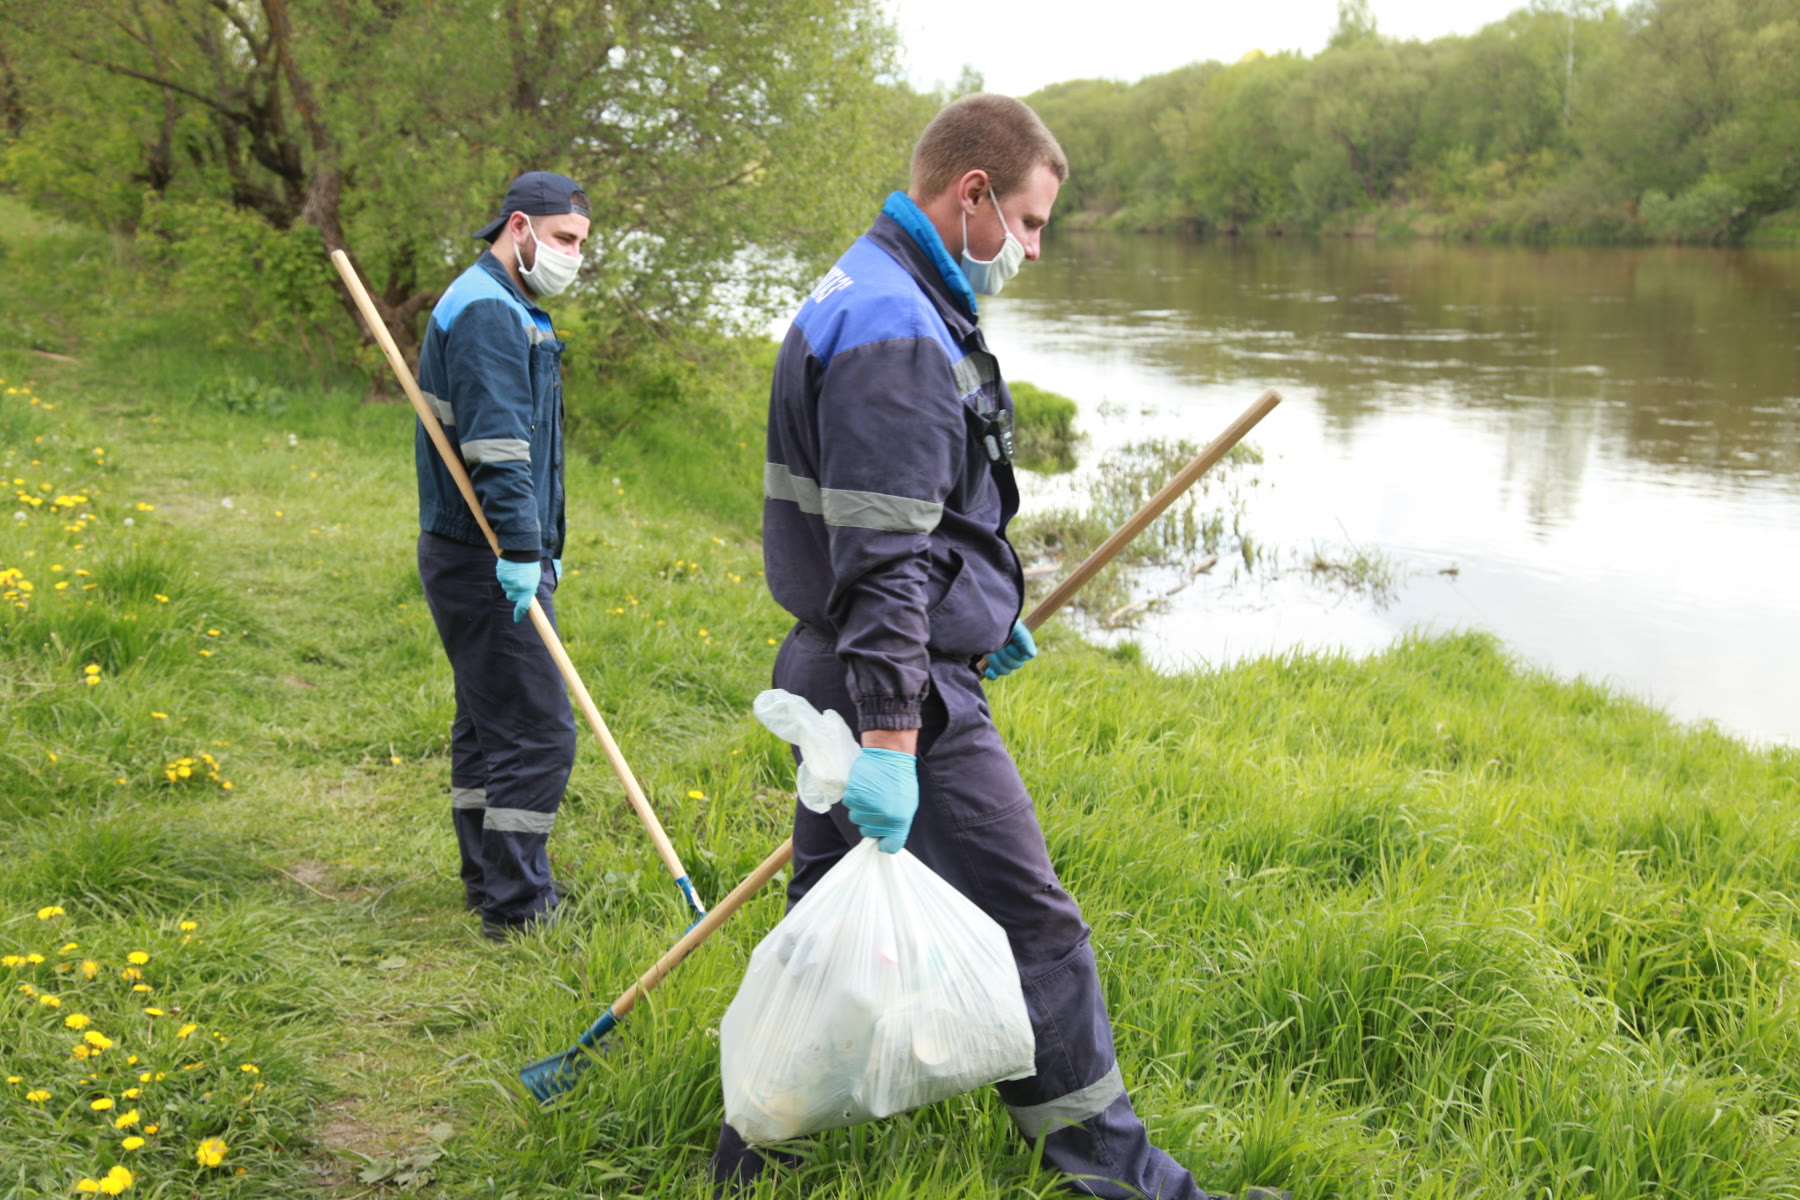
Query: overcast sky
1022, 45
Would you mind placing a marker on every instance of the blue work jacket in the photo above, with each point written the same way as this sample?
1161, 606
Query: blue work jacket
884, 515
491, 369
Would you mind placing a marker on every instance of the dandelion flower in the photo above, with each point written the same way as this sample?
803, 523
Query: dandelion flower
131, 1143
88, 1185
156, 716
90, 968
137, 957
211, 1152
77, 1021
126, 1120
37, 1095
102, 1104
188, 926
83, 1050
116, 1181
249, 1068
132, 1093
152, 1128
98, 1040
186, 1030
130, 973
69, 947
15, 1079
49, 1001
48, 911
141, 987
153, 1012
12, 960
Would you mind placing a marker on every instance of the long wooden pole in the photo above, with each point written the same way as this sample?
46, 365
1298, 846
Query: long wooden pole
550, 1077
539, 619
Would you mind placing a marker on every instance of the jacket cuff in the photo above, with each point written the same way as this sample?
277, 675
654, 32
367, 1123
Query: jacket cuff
889, 712
520, 556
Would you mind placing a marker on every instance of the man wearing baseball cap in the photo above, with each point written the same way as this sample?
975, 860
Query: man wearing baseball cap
491, 367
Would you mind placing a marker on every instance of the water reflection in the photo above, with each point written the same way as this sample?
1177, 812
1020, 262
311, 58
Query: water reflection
1604, 443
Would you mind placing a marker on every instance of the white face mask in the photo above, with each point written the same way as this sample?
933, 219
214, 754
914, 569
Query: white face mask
987, 278
552, 272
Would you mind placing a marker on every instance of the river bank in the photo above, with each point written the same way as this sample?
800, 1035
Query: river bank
1412, 924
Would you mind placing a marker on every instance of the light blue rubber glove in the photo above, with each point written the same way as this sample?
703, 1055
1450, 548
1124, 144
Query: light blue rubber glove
556, 564
1020, 649
882, 795
520, 583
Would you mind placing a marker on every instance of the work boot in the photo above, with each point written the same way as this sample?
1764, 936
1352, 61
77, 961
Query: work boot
504, 931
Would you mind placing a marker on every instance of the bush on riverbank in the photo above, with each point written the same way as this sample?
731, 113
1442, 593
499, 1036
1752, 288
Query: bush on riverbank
1424, 924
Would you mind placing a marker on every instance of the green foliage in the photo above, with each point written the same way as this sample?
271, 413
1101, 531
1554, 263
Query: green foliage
1675, 120
727, 151
1044, 428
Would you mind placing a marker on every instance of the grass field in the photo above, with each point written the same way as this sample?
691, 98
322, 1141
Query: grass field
1428, 924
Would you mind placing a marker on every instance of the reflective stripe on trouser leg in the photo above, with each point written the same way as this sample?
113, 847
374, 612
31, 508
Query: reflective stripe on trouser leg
976, 828
512, 694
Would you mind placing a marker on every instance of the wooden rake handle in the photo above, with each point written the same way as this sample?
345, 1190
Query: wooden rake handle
1090, 566
539, 620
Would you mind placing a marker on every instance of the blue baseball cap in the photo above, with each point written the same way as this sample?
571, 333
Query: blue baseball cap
537, 194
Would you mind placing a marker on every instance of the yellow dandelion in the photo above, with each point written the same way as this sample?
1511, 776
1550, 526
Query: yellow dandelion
77, 1021
156, 716
69, 947
48, 911
211, 1152
37, 1095
87, 1185
91, 669
694, 794
130, 973
186, 1030
152, 1128
102, 1104
49, 1001
90, 968
132, 1093
126, 1120
137, 957
12, 960
141, 987
160, 598
131, 1143
15, 1079
116, 1181
249, 1068
188, 926
83, 1050
98, 1040
153, 1012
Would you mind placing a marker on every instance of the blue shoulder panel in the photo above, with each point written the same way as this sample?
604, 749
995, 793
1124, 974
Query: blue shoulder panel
869, 297
472, 285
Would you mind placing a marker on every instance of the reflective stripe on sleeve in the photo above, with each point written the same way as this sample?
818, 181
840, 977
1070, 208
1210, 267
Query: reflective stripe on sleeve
1071, 1109
496, 450
873, 510
518, 820
851, 510
461, 797
781, 484
441, 407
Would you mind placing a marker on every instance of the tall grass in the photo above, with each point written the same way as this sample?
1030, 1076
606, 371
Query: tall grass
1426, 924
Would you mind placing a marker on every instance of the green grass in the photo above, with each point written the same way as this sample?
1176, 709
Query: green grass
1428, 924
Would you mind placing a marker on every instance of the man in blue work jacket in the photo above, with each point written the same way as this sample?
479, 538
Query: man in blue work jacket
888, 489
492, 368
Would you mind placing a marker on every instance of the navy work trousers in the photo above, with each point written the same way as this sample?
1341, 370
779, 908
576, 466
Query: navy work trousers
976, 828
513, 742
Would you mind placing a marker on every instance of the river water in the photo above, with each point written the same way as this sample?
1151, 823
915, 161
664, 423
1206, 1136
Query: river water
1593, 454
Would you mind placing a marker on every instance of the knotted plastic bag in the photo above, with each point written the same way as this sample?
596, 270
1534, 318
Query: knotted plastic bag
882, 990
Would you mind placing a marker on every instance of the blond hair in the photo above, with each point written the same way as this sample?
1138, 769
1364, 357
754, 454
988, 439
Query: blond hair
983, 131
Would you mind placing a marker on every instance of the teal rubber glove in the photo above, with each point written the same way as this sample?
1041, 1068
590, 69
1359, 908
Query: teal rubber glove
1020, 649
556, 565
882, 795
520, 583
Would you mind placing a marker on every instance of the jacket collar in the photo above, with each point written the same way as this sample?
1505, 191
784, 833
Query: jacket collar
929, 257
490, 262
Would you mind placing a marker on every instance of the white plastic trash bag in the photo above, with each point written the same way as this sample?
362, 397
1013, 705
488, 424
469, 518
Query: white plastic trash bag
884, 989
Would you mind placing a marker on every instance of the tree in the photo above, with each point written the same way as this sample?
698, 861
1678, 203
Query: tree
723, 146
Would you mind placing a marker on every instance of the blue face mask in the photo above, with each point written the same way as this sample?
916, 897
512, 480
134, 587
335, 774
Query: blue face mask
987, 278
